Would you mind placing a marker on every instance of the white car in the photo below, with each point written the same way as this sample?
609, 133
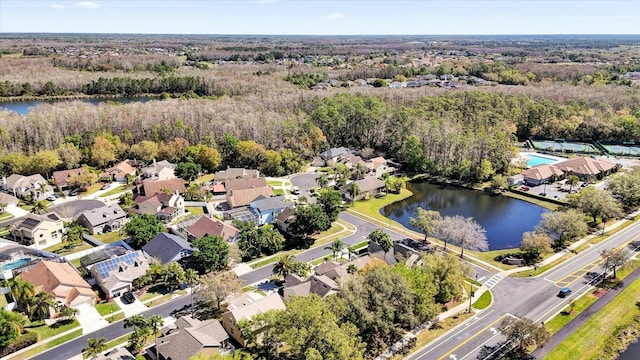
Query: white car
295, 190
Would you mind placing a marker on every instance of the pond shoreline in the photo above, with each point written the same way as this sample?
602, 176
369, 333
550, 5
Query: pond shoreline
18, 99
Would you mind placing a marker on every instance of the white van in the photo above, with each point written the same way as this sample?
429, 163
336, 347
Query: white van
295, 190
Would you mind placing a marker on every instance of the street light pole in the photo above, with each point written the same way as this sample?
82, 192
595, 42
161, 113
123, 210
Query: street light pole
471, 294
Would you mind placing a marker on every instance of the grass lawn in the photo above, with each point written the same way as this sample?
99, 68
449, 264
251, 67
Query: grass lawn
114, 318
117, 190
76, 262
159, 301
566, 315
272, 182
277, 192
3, 300
372, 206
109, 237
61, 250
53, 343
589, 341
153, 292
194, 210
541, 269
204, 178
47, 331
5, 216
107, 308
91, 189
117, 341
442, 327
488, 256
484, 301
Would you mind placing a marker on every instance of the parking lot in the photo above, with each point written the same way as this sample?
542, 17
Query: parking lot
557, 190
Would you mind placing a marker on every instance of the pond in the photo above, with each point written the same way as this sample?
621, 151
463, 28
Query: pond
504, 218
23, 107
632, 352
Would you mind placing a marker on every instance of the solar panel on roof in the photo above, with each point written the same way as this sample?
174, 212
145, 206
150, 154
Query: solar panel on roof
107, 266
30, 223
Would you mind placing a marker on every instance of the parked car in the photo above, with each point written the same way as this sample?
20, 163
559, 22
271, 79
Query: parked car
524, 188
295, 190
73, 193
105, 186
128, 297
51, 198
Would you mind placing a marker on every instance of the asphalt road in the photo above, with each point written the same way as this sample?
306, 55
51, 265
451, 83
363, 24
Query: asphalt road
113, 331
534, 298
363, 229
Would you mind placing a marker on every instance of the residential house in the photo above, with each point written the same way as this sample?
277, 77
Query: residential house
189, 337
315, 284
235, 314
119, 172
330, 156
369, 186
161, 170
116, 275
235, 173
61, 280
350, 161
61, 178
336, 271
16, 258
108, 251
33, 186
267, 208
8, 200
168, 248
242, 192
217, 188
38, 231
285, 218
150, 188
166, 207
120, 353
103, 219
209, 226
378, 166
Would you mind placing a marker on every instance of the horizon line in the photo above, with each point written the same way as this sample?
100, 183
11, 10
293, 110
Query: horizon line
257, 34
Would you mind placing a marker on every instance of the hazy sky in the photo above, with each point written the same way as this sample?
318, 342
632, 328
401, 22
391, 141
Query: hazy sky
321, 17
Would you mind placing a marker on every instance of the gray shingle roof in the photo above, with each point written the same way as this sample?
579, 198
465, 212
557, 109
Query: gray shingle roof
263, 203
166, 247
333, 152
104, 215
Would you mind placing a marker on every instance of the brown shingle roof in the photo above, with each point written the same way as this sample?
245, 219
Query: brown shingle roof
271, 302
584, 166
122, 168
542, 172
150, 188
208, 226
244, 197
240, 184
61, 177
60, 279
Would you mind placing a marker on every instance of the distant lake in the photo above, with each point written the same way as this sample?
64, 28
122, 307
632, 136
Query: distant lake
504, 218
23, 107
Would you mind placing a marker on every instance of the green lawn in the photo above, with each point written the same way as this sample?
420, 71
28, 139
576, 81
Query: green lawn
76, 263
47, 331
277, 192
109, 237
372, 206
117, 190
61, 250
5, 216
3, 300
53, 343
159, 301
107, 308
194, 210
204, 178
484, 301
276, 182
567, 315
91, 189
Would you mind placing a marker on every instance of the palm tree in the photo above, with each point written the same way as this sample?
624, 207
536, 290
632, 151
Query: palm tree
17, 320
22, 291
74, 234
95, 346
284, 266
572, 180
155, 323
3, 206
40, 207
360, 170
191, 278
68, 312
336, 246
41, 306
354, 191
322, 180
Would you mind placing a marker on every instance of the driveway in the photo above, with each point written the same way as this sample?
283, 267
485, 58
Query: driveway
90, 319
129, 310
16, 211
305, 182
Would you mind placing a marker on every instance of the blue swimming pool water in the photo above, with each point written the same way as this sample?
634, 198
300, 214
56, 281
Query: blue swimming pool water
15, 264
538, 160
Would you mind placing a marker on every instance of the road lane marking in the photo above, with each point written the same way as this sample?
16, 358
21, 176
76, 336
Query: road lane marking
482, 278
577, 274
445, 356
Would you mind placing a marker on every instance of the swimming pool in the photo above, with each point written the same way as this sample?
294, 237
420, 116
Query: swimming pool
15, 264
535, 159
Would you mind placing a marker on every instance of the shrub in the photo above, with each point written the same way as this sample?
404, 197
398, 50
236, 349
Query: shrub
20, 343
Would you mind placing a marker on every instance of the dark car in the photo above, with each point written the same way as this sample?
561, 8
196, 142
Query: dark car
128, 297
564, 292
105, 186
